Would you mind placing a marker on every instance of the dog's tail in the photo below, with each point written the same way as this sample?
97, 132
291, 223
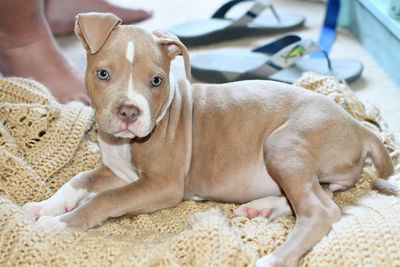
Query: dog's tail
383, 165
385, 187
380, 157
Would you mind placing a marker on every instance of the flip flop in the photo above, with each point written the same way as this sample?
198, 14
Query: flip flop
281, 60
220, 28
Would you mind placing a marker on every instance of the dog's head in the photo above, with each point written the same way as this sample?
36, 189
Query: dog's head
128, 73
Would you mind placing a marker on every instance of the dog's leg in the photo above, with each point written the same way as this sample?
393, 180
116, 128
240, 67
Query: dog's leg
315, 213
267, 207
82, 186
292, 167
142, 196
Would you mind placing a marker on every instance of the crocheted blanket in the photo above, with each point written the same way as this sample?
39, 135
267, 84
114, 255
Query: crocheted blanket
44, 143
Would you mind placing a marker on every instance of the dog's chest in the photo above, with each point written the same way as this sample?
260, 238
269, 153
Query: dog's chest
117, 157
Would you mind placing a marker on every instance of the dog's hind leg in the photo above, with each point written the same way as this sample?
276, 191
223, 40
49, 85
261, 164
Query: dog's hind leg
294, 170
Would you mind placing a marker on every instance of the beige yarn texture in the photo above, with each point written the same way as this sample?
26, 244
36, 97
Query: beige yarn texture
43, 144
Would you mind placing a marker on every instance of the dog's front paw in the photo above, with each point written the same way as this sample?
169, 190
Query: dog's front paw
33, 209
51, 223
49, 207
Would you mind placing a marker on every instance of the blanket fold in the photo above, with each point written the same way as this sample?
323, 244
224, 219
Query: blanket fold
43, 144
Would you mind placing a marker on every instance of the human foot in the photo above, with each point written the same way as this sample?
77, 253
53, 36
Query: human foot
61, 14
43, 61
28, 49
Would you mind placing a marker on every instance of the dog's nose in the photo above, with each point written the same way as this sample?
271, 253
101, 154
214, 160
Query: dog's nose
128, 113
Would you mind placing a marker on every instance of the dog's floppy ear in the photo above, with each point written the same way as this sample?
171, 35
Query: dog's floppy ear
174, 47
94, 28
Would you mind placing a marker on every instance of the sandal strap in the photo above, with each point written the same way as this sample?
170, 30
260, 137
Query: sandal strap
221, 12
273, 47
328, 30
285, 52
258, 7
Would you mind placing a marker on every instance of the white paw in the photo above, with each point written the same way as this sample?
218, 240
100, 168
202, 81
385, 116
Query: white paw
49, 207
250, 212
51, 223
268, 261
33, 209
268, 207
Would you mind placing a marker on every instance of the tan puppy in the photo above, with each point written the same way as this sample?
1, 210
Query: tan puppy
164, 141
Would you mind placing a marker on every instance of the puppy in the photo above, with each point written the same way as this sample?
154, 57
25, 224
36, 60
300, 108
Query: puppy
164, 141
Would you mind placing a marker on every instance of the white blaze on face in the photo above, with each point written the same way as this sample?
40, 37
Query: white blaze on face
142, 126
143, 122
130, 52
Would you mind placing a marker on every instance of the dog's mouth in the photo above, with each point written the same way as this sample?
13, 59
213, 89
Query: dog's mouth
130, 130
124, 133
119, 127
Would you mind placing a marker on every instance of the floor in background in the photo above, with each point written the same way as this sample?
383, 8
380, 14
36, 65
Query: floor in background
374, 86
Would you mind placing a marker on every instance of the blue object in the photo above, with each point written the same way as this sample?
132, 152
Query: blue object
328, 30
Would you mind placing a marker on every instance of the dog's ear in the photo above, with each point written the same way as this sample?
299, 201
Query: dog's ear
173, 47
94, 28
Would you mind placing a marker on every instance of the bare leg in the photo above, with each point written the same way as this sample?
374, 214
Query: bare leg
28, 49
61, 13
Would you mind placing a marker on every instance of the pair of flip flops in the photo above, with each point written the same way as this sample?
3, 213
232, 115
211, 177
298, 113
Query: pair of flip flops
281, 60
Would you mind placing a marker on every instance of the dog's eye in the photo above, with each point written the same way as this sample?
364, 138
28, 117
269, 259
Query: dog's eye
103, 74
156, 81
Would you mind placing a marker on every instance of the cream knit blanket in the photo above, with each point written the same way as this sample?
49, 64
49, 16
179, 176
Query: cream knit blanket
43, 144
